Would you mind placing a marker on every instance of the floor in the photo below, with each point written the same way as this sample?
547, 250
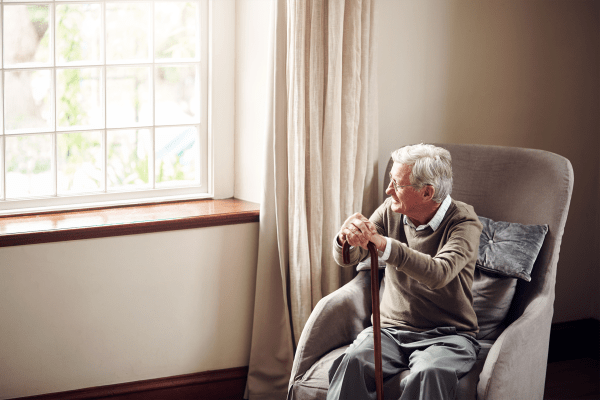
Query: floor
573, 379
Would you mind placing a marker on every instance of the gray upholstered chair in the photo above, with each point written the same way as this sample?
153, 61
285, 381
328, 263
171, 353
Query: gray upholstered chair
504, 184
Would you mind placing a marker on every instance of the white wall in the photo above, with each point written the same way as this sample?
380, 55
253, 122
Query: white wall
102, 311
253, 44
221, 76
509, 73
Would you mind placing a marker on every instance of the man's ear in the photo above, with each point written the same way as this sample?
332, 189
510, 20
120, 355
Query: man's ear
428, 192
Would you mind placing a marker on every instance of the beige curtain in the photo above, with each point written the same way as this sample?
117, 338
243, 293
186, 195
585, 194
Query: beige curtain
321, 166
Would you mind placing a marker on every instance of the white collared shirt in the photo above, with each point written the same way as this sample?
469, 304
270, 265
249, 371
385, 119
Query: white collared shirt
437, 219
434, 223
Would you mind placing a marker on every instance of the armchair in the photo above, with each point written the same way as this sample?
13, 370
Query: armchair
504, 184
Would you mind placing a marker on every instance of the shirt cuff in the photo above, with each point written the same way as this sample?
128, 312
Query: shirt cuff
387, 251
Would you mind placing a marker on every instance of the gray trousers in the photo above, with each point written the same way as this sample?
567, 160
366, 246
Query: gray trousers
437, 359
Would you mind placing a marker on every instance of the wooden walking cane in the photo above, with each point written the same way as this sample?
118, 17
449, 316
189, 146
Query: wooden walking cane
375, 307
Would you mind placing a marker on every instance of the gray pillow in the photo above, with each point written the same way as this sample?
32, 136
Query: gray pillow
509, 248
492, 295
507, 251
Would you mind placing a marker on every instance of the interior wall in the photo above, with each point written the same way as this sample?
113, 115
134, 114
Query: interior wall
221, 121
508, 73
104, 311
96, 312
253, 44
113, 310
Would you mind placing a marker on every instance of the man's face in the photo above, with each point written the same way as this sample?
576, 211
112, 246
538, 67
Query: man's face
408, 199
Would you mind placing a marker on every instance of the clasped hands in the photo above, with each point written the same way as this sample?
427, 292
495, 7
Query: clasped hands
358, 230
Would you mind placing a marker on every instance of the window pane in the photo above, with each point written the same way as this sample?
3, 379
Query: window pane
79, 162
177, 156
79, 97
78, 32
177, 95
100, 95
27, 100
128, 96
129, 157
26, 34
28, 166
128, 31
176, 26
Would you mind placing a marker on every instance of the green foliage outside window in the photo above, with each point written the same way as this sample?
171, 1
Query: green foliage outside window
77, 148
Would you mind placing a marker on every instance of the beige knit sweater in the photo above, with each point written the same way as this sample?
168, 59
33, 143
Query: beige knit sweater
429, 274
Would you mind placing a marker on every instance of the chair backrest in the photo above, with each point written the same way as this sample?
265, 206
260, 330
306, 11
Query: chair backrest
516, 185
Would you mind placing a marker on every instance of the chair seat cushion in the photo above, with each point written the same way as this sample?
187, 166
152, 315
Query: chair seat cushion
314, 383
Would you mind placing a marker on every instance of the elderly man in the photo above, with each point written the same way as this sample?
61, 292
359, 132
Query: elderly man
429, 243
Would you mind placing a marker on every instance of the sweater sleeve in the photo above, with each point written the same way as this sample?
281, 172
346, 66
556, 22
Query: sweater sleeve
435, 272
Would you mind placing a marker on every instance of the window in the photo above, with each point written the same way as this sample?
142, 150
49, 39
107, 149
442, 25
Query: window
103, 101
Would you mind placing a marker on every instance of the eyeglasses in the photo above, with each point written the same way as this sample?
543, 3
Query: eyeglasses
396, 186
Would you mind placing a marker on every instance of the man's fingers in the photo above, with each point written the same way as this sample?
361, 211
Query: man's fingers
370, 225
354, 240
357, 239
362, 226
362, 231
358, 230
353, 235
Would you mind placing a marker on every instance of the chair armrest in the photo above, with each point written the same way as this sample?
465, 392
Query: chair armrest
515, 367
335, 321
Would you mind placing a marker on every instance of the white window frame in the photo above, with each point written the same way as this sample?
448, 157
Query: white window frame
217, 117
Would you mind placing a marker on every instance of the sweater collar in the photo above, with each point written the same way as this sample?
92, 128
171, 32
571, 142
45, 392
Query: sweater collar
437, 219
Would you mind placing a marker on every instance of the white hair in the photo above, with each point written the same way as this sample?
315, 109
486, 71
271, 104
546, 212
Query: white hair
432, 165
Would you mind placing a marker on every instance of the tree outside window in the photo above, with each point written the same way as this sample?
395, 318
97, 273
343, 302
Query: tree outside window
101, 97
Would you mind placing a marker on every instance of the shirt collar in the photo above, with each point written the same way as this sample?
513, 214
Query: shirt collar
437, 219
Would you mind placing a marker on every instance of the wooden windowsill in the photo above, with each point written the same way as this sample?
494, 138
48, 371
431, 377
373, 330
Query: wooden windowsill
126, 220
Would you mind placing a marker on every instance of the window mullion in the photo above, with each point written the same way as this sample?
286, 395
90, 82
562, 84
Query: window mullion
54, 97
54, 167
203, 65
153, 84
3, 133
104, 101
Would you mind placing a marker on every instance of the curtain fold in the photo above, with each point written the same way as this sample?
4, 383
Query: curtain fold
320, 167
